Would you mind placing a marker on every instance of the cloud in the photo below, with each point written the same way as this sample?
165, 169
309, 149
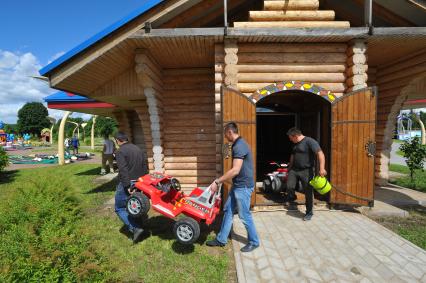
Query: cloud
56, 56
17, 87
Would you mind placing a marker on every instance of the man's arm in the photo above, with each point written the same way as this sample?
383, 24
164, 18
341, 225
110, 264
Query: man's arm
321, 160
290, 164
234, 171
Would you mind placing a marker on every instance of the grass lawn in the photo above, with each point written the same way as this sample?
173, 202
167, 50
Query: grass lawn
412, 228
56, 226
419, 178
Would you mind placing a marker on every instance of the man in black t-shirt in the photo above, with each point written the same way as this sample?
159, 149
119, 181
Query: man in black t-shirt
305, 152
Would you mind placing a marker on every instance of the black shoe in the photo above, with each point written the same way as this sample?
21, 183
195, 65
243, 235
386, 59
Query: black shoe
137, 234
214, 243
308, 217
248, 248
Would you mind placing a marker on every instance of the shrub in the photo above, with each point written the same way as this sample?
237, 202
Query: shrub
414, 153
4, 159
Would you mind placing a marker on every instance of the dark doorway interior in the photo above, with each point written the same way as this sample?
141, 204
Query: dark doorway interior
275, 115
272, 142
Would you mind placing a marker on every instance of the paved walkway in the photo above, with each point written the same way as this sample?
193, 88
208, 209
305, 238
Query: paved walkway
335, 246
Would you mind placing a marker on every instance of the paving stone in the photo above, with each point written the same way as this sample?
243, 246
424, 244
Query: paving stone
267, 274
398, 259
414, 270
262, 263
311, 274
384, 271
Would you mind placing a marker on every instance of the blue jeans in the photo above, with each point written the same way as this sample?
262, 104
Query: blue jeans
238, 198
120, 208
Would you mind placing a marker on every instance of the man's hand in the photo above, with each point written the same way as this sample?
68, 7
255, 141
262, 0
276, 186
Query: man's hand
130, 190
323, 172
213, 187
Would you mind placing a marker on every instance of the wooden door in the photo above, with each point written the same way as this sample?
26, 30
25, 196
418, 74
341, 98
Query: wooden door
236, 107
353, 130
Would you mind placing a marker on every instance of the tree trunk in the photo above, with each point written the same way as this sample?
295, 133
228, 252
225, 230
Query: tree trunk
92, 134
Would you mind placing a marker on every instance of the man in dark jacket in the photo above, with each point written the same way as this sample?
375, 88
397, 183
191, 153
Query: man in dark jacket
306, 155
131, 164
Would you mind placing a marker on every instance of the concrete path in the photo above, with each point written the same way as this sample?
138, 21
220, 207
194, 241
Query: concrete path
395, 158
334, 247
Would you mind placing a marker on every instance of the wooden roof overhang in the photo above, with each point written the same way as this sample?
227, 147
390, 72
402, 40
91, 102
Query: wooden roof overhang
194, 48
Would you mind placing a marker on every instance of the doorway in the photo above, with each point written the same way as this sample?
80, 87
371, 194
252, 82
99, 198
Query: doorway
275, 115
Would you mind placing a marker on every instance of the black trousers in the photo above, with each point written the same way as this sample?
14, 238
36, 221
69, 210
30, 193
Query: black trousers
304, 176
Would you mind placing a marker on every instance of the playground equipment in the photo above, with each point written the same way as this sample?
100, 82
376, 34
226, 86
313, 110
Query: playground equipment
404, 133
3, 135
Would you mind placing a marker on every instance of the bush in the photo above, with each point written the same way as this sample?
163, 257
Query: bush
40, 240
4, 159
414, 154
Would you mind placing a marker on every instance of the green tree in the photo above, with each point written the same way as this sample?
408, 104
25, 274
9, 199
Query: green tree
414, 153
105, 126
11, 128
32, 118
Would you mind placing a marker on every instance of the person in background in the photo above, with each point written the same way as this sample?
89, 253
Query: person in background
305, 152
131, 165
107, 155
242, 175
67, 144
75, 145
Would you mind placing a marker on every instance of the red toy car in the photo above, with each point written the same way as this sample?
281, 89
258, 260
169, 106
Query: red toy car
201, 205
276, 181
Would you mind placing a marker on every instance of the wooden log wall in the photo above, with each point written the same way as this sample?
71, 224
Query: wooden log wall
292, 14
262, 64
397, 82
189, 126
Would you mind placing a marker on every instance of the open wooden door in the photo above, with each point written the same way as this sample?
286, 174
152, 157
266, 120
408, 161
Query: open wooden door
238, 108
353, 148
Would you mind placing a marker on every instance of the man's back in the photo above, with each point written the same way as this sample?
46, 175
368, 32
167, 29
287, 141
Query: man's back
131, 163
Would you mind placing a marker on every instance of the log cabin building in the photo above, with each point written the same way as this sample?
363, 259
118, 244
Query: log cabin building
173, 72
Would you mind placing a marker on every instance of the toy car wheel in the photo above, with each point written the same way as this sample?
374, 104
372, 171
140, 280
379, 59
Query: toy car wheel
186, 230
276, 185
138, 205
267, 185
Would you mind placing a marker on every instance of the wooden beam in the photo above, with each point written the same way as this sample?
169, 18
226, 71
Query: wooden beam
293, 24
178, 32
291, 15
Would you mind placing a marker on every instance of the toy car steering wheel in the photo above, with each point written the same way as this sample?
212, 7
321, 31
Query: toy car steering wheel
175, 184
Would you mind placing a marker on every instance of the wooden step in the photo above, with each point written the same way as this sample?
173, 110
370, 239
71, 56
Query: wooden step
294, 24
291, 5
291, 15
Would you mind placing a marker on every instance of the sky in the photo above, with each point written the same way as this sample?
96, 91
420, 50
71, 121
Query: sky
34, 33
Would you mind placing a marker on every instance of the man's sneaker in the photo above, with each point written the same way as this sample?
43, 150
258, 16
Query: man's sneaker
137, 232
248, 248
214, 243
308, 217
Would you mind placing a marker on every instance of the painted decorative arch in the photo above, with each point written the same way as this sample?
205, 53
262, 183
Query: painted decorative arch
292, 85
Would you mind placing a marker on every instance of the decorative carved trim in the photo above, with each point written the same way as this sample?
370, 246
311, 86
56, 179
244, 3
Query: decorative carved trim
292, 85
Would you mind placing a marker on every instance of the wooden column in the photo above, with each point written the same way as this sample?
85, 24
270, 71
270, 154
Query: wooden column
219, 69
150, 78
356, 65
231, 61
